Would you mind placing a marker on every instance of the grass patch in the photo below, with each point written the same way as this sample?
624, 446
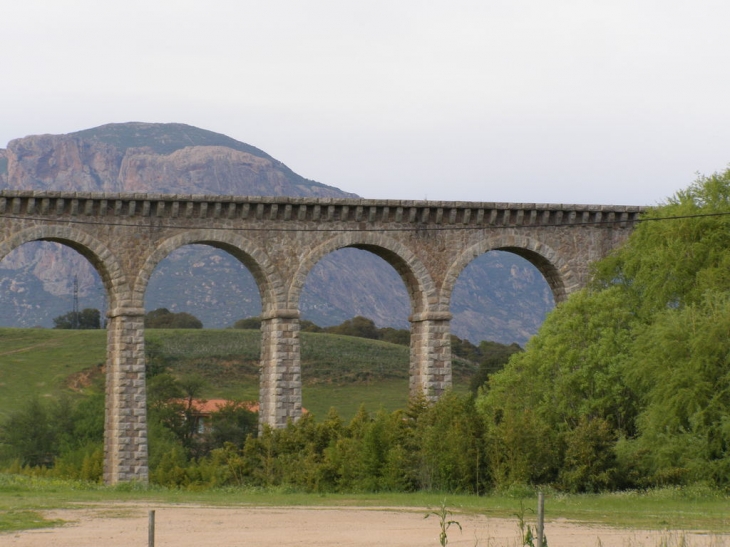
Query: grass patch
673, 508
334, 359
37, 362
11, 521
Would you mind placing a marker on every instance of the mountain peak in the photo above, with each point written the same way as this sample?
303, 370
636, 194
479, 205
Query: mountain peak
162, 138
170, 158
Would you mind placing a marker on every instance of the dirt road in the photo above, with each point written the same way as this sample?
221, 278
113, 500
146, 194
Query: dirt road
126, 525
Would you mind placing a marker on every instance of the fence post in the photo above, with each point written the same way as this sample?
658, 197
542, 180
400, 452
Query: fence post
151, 531
540, 518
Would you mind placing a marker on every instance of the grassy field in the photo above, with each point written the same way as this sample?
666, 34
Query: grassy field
37, 362
692, 508
337, 371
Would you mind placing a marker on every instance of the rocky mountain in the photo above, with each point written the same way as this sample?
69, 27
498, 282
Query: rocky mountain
499, 297
147, 157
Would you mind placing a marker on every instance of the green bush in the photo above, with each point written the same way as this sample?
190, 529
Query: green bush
162, 318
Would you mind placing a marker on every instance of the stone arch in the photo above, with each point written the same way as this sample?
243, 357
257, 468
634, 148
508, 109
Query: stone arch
257, 261
418, 281
554, 268
100, 257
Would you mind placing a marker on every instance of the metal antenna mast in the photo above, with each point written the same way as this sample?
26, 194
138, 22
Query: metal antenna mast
75, 313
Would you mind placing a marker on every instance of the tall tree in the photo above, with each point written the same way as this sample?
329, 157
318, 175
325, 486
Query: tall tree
88, 318
628, 380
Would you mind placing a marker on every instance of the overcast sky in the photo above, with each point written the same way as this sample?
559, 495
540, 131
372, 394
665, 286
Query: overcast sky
613, 101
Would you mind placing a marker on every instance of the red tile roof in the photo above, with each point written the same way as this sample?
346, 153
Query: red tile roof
206, 407
209, 406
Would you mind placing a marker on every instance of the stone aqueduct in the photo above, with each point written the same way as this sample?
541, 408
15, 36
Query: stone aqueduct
279, 240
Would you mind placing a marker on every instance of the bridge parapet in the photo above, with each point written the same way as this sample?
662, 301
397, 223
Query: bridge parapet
253, 208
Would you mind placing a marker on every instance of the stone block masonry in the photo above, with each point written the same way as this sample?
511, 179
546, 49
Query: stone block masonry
279, 240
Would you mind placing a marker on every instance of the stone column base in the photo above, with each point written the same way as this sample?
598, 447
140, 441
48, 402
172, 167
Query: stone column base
281, 379
430, 371
125, 431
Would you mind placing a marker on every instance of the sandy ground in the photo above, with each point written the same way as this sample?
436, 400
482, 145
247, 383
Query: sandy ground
126, 525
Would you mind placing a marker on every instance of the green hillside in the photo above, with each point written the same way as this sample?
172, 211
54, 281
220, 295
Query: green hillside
339, 371
38, 362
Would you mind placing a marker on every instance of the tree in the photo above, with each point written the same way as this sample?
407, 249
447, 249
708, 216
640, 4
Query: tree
626, 384
492, 357
40, 431
676, 275
451, 434
571, 372
309, 326
357, 326
401, 337
232, 423
156, 360
672, 263
681, 367
29, 435
88, 318
171, 402
249, 323
162, 318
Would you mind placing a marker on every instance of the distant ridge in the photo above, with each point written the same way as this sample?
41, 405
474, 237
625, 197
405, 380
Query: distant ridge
166, 138
163, 138
151, 157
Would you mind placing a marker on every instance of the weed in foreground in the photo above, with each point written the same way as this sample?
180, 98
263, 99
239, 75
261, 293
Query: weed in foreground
527, 535
443, 515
